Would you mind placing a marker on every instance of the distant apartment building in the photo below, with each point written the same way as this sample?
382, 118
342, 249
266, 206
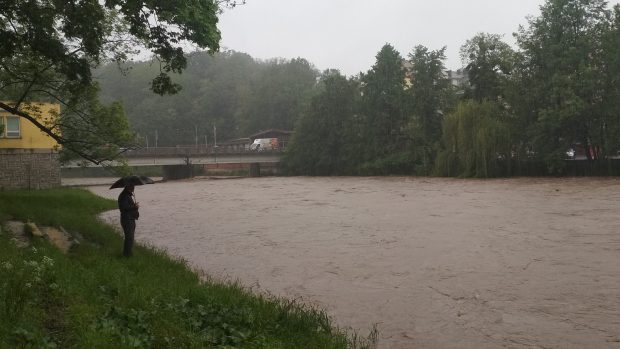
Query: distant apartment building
28, 156
458, 78
407, 66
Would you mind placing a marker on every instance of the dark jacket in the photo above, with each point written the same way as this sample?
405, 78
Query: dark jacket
127, 206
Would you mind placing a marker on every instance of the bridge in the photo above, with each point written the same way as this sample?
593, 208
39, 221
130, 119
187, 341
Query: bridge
204, 159
179, 162
193, 155
199, 155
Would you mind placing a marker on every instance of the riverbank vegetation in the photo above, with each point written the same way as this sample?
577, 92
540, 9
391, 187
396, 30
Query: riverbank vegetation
530, 111
534, 109
92, 297
550, 105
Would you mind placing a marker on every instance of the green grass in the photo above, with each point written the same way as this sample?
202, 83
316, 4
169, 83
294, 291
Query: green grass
95, 298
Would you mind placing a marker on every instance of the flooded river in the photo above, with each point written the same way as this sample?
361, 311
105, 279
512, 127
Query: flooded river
434, 263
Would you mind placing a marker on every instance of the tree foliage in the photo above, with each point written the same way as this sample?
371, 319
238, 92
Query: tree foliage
48, 48
559, 89
610, 98
320, 145
566, 69
523, 109
488, 62
428, 98
387, 122
383, 101
229, 90
476, 141
278, 95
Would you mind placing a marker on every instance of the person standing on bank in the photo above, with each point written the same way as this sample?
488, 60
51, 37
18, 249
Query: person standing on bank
129, 214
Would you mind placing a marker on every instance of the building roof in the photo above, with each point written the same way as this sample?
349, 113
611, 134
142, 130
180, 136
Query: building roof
265, 133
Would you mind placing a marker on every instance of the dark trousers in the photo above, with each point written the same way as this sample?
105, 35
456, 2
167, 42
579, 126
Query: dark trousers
129, 227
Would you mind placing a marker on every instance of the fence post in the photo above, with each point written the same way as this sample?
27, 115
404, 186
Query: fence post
255, 169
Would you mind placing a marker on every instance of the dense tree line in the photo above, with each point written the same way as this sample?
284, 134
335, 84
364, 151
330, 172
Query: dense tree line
391, 123
519, 114
230, 91
522, 108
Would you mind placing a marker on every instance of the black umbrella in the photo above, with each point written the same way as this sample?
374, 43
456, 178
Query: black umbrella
131, 180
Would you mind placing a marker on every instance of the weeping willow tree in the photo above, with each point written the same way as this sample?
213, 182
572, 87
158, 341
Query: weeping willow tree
476, 142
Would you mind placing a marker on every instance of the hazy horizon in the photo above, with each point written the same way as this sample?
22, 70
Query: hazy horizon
346, 35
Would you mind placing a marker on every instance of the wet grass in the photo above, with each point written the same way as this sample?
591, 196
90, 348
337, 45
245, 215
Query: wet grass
95, 298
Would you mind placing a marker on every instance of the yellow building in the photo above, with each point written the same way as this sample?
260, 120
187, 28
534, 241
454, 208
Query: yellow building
19, 133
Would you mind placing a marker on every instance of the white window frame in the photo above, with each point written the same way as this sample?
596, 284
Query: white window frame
15, 134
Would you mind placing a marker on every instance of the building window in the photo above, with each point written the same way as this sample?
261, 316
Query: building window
2, 130
12, 129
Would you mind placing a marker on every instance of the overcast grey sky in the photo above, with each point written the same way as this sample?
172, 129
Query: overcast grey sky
347, 34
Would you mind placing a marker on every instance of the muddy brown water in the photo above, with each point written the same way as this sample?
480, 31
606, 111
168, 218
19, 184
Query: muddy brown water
434, 263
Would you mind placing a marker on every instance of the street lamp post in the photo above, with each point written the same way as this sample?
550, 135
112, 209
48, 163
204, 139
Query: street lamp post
196, 135
215, 142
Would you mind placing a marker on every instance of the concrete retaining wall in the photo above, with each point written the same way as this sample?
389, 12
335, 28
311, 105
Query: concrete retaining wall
177, 171
255, 169
29, 169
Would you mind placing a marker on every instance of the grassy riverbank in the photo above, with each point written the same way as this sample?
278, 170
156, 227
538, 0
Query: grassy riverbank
94, 298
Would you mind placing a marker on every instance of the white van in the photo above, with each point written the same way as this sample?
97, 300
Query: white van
264, 144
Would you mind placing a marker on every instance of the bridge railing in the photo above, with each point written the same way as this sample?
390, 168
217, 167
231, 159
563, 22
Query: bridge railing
181, 151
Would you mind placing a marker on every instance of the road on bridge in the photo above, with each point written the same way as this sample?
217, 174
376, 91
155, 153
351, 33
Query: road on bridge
210, 159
